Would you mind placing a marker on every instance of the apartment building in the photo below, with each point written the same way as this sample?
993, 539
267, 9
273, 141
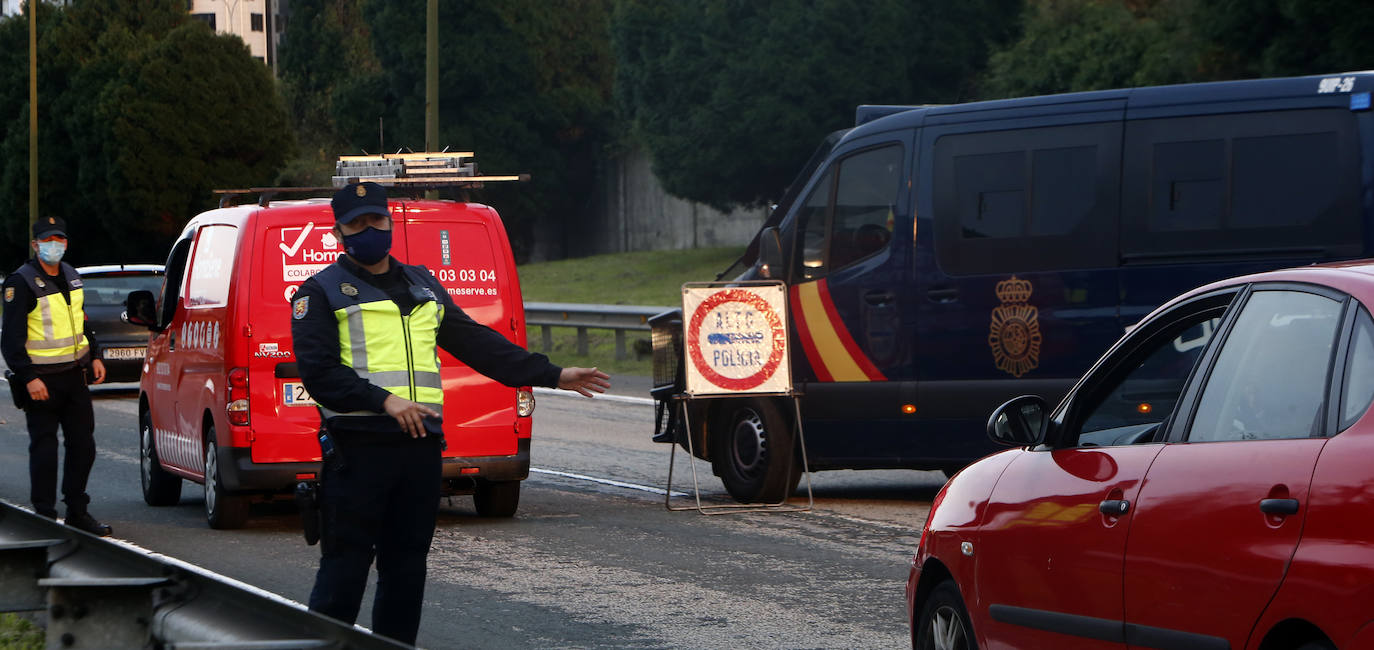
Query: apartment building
259, 23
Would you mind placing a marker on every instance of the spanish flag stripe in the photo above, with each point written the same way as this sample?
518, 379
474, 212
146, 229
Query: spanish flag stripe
870, 371
804, 334
826, 337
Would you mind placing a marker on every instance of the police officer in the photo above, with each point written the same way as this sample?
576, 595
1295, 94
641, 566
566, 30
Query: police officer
44, 340
365, 331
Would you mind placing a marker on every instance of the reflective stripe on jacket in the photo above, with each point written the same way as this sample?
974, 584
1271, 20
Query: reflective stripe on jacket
398, 352
56, 323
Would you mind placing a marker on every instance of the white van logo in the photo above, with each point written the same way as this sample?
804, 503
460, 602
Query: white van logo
304, 253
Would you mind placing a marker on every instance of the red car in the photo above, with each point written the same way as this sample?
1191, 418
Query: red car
1207, 484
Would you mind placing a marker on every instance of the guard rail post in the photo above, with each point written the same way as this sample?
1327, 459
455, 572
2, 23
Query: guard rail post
618, 318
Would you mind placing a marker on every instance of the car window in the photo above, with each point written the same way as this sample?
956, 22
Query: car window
114, 289
1130, 410
1269, 380
211, 266
1358, 391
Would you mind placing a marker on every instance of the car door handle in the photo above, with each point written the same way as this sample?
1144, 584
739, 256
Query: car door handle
1114, 507
879, 298
1279, 506
943, 294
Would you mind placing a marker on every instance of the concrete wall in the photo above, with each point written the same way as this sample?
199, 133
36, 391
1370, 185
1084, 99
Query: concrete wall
634, 213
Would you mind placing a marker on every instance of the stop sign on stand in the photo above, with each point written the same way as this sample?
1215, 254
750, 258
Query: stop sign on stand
735, 344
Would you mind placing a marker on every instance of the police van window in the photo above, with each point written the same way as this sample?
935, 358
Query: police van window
1190, 186
1269, 380
1358, 392
811, 223
1242, 184
1027, 199
212, 265
865, 204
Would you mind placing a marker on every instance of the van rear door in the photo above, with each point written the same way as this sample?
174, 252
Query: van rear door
293, 243
465, 247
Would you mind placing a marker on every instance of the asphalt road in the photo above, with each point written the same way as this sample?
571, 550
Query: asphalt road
592, 559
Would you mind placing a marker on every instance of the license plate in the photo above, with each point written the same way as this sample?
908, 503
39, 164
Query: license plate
293, 394
122, 353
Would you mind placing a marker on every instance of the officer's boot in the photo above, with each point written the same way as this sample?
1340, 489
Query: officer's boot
81, 519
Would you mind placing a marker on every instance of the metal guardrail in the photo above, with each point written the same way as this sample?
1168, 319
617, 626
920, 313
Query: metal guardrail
102, 593
621, 318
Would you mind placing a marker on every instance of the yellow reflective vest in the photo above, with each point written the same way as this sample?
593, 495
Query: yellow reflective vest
398, 352
56, 324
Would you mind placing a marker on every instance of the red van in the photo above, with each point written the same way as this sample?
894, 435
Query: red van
221, 402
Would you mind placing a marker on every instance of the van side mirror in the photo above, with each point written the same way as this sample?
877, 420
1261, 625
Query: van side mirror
1020, 422
141, 309
770, 254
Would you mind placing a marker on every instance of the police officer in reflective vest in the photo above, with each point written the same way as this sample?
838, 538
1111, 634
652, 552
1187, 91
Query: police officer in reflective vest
44, 341
365, 331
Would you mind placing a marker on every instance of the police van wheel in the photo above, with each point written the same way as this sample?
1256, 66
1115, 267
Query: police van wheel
752, 451
160, 487
222, 509
496, 498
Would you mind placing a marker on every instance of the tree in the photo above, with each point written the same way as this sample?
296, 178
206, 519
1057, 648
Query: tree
525, 84
1071, 45
142, 112
729, 96
1086, 45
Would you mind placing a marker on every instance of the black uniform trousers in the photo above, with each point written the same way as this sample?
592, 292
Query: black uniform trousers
69, 406
382, 503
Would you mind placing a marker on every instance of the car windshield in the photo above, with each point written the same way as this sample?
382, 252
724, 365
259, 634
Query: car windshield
114, 289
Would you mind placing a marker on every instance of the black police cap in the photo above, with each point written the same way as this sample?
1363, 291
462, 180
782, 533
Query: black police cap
357, 199
46, 227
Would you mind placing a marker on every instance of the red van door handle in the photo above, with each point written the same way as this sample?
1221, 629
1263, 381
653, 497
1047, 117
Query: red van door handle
1279, 506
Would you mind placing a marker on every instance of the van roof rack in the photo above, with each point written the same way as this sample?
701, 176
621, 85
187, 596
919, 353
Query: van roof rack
415, 171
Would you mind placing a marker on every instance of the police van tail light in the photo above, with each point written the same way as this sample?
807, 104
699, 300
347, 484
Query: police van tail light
524, 402
238, 396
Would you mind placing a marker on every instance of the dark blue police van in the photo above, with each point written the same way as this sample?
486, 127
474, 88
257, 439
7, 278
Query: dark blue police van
942, 259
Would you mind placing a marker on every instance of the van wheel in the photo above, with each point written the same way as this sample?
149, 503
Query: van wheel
752, 452
222, 509
944, 622
160, 487
496, 498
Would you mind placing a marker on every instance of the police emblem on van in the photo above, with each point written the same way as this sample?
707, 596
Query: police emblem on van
1014, 334
299, 307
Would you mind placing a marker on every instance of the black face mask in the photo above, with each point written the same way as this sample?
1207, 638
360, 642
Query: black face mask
369, 246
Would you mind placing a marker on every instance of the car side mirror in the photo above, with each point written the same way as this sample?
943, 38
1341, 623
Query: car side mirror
140, 308
1020, 422
770, 254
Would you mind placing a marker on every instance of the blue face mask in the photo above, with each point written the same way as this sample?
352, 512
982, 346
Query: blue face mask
369, 246
50, 252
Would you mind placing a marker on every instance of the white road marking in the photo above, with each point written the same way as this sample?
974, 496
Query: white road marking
642, 401
605, 481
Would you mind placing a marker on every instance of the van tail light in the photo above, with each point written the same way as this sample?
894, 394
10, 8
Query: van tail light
238, 396
524, 402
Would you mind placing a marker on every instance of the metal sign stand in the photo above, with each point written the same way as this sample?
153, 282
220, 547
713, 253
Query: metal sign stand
728, 508
751, 294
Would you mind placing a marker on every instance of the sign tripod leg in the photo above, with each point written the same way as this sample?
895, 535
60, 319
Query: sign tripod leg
723, 509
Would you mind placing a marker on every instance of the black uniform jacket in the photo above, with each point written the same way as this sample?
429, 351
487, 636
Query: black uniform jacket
14, 326
315, 337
